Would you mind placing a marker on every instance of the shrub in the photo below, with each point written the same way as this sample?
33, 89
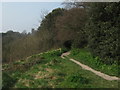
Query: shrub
77, 78
103, 31
75, 51
7, 80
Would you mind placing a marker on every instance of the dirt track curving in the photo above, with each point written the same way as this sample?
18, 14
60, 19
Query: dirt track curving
98, 73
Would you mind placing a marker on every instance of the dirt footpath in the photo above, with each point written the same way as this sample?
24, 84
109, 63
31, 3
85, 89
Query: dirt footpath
98, 73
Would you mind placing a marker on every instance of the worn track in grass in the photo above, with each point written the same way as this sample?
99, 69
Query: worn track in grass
98, 73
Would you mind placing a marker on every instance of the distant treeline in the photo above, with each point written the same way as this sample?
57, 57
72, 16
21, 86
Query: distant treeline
79, 25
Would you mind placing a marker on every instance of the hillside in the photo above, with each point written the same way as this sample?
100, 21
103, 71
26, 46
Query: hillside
49, 70
88, 37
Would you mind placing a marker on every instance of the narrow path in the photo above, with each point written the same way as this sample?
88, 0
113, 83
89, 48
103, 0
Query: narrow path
98, 73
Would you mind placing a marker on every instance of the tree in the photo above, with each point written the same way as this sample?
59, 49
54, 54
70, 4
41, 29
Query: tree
70, 26
69, 4
104, 31
24, 32
7, 39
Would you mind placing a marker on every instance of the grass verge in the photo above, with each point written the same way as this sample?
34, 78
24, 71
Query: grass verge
86, 57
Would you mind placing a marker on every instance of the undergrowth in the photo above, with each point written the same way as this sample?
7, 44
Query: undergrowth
49, 70
85, 57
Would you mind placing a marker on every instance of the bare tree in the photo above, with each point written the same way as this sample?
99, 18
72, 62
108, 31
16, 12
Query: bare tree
68, 4
43, 13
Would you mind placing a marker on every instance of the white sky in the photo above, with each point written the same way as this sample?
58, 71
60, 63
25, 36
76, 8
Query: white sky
20, 16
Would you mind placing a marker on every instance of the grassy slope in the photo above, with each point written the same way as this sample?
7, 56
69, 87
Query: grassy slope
85, 57
48, 70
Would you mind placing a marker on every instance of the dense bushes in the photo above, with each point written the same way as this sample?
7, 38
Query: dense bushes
7, 39
55, 31
95, 25
104, 31
70, 26
7, 79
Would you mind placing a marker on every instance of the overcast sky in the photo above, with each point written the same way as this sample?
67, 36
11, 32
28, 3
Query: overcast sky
19, 16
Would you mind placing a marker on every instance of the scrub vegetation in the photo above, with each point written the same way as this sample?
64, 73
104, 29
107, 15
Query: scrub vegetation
51, 71
90, 31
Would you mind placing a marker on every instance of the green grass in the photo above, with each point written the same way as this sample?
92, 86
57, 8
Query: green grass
86, 57
55, 72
